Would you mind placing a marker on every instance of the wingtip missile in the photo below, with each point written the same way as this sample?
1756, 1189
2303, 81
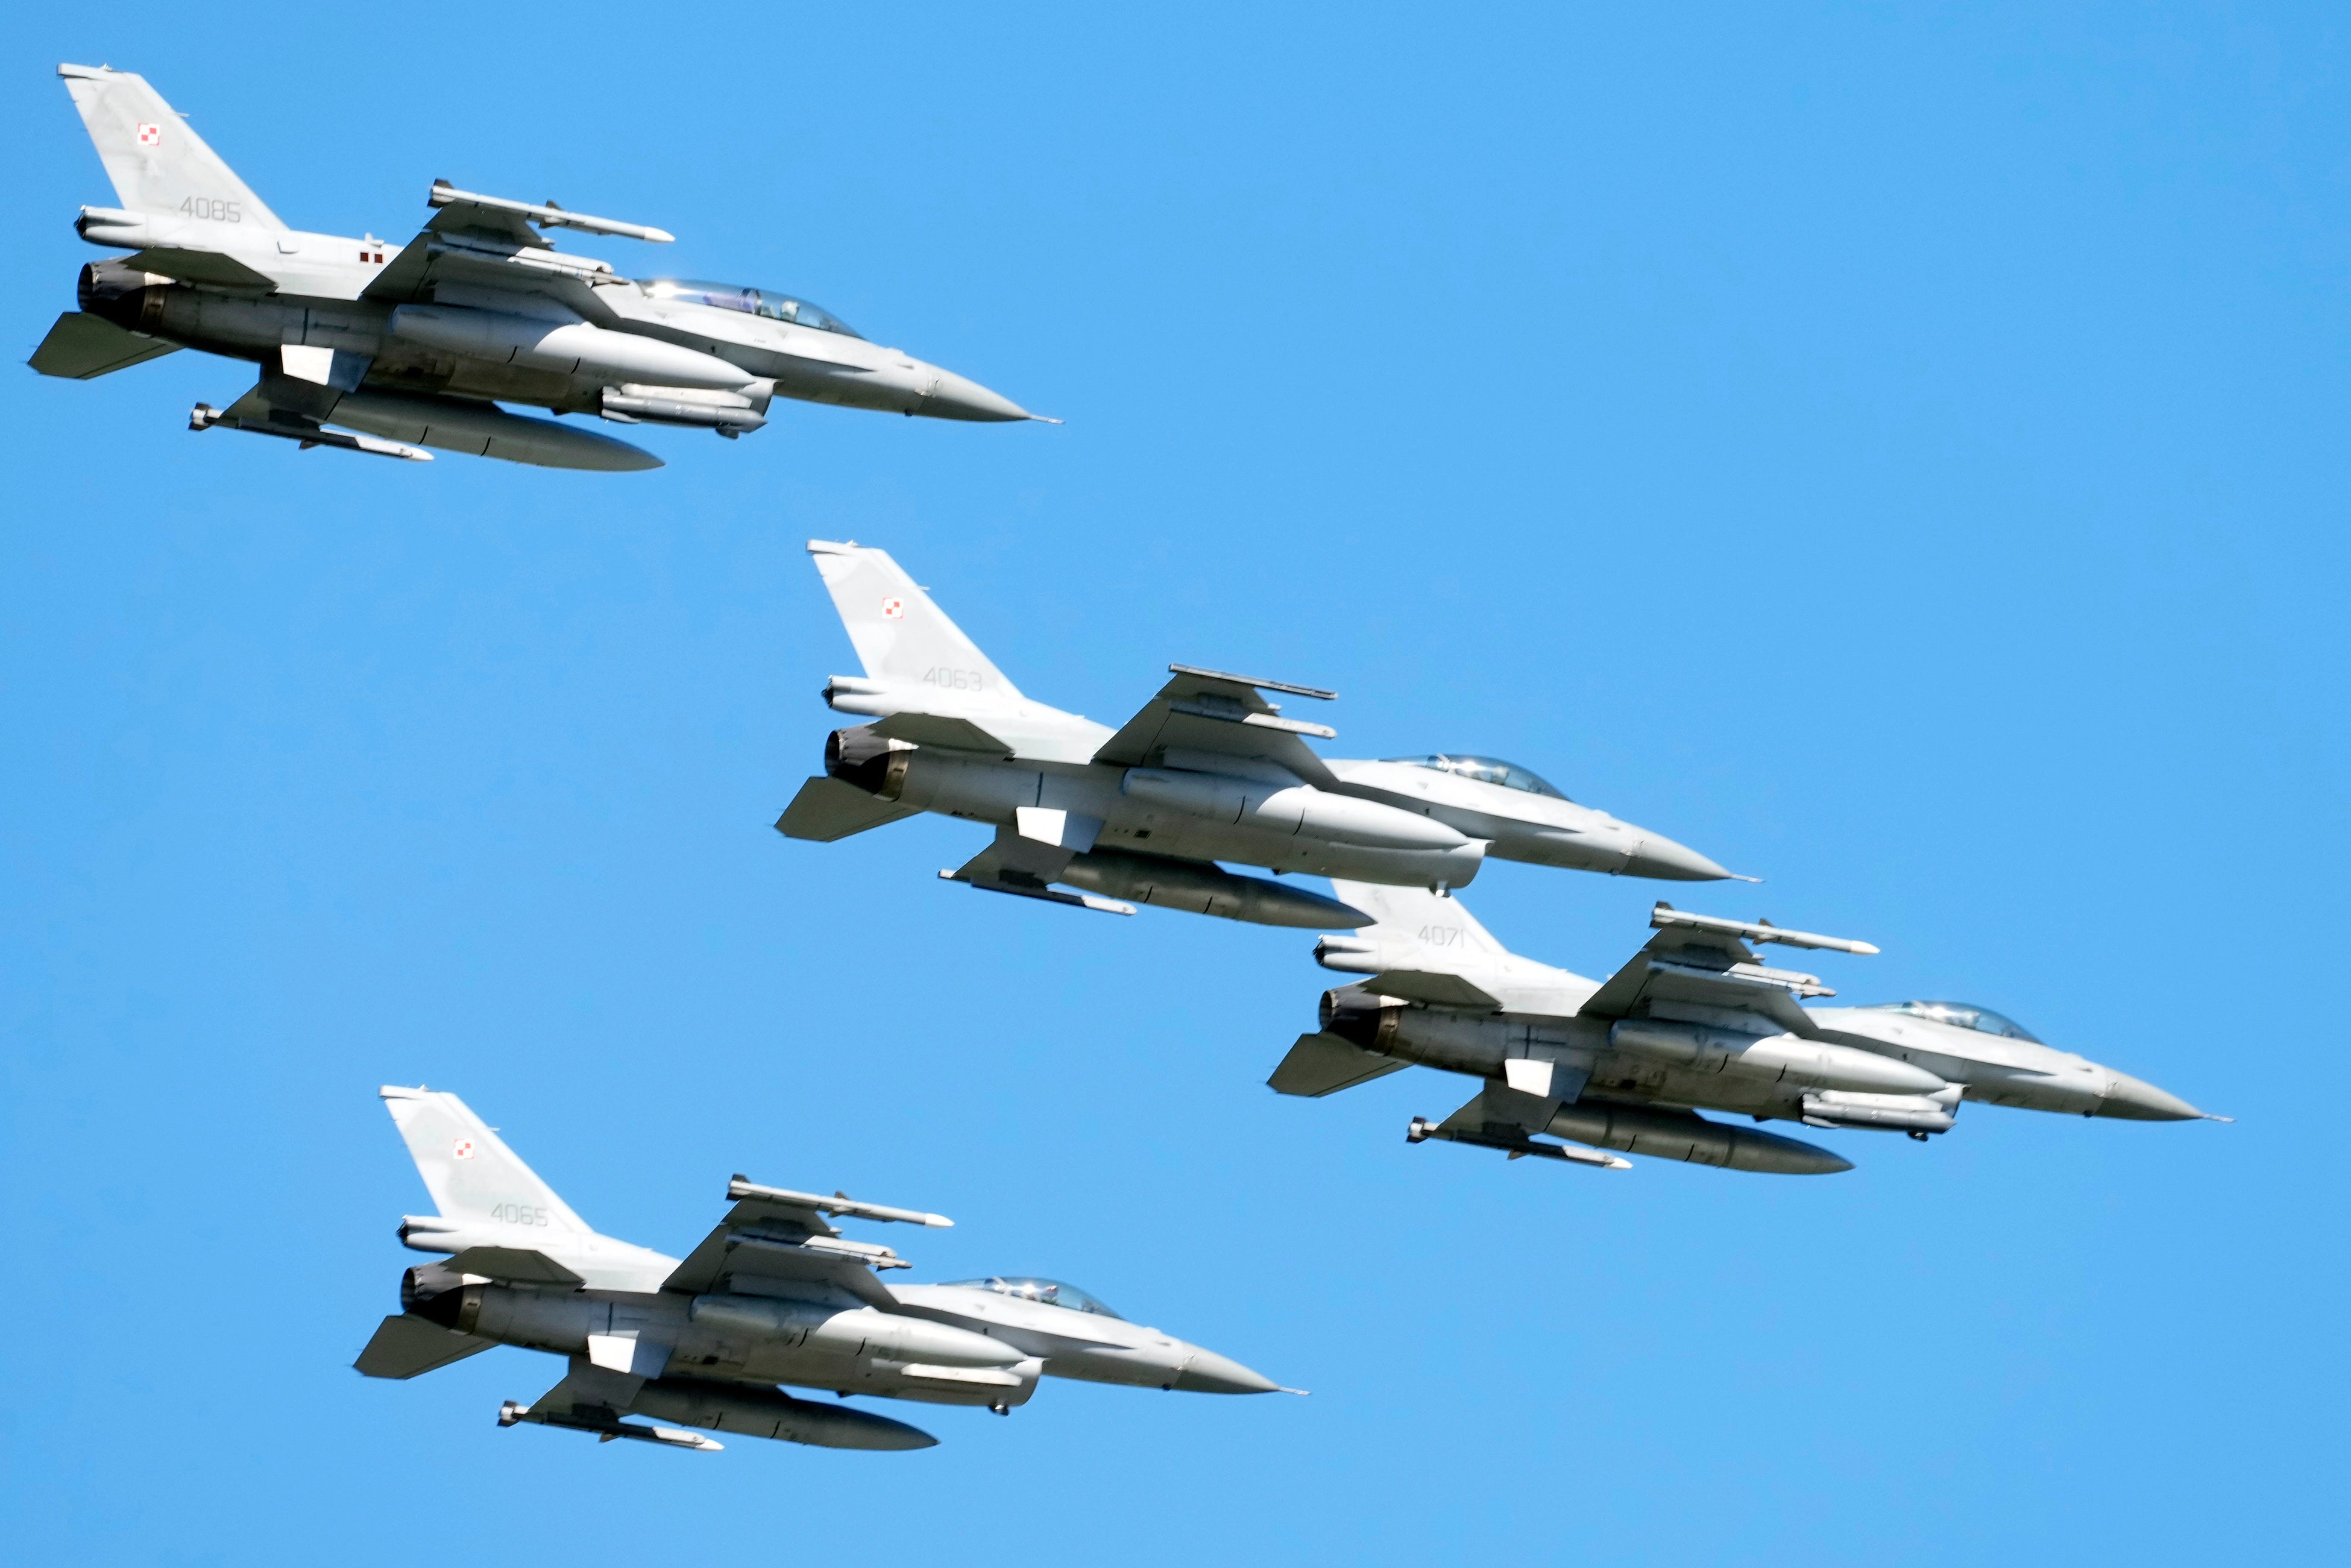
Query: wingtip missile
1315, 692
740, 1187
1663, 915
547, 216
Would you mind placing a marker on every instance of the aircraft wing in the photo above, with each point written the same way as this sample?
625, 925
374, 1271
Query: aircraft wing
776, 1243
1706, 961
403, 1346
1321, 1064
1205, 711
490, 241
82, 348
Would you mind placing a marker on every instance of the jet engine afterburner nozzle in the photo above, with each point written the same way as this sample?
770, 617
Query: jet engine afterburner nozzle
426, 1282
1360, 1018
438, 1295
123, 295
874, 763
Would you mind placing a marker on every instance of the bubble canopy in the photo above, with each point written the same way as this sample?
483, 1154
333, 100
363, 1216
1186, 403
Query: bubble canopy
1962, 1015
1052, 1292
1487, 771
750, 302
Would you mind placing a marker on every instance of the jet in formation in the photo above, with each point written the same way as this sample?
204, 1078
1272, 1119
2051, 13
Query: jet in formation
388, 349
1209, 771
774, 1295
1695, 1021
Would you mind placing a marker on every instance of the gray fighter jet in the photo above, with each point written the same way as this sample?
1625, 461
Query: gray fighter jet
375, 347
774, 1295
1209, 771
1693, 1023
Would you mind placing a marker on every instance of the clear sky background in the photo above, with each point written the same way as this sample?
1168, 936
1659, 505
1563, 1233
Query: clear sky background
1896, 450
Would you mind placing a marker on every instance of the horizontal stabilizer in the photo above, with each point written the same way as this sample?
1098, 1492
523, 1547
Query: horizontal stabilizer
1321, 1064
933, 729
201, 267
82, 348
1438, 990
828, 808
409, 1347
519, 1265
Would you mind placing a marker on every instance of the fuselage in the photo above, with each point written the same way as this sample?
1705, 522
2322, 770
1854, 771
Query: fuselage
246, 292
1384, 822
1650, 1067
947, 1344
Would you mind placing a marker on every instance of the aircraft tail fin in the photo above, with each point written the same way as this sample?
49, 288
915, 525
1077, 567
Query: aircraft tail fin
157, 163
1415, 914
467, 1168
901, 635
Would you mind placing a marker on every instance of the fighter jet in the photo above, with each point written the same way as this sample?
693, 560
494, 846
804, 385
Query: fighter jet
1694, 1022
774, 1295
1209, 771
374, 346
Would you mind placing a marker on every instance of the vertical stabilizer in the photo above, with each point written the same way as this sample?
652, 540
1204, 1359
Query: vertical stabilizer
468, 1169
1417, 914
157, 163
900, 634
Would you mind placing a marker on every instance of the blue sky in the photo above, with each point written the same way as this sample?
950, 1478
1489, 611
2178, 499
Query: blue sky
1896, 450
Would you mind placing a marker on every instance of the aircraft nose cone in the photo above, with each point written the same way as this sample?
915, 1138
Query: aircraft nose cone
1209, 1373
955, 397
1669, 862
2134, 1100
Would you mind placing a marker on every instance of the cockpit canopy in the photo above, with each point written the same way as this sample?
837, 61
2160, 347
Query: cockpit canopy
1487, 770
750, 302
1052, 1292
1962, 1015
